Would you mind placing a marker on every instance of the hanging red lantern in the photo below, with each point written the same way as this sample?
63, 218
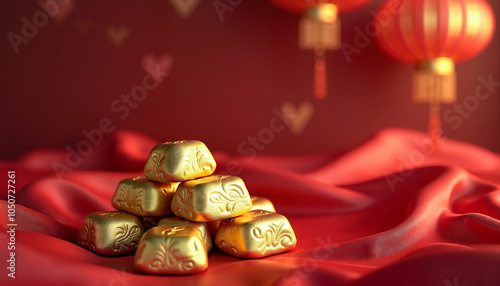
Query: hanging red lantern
319, 30
434, 35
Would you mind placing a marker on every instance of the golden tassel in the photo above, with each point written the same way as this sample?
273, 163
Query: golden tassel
320, 83
320, 30
434, 82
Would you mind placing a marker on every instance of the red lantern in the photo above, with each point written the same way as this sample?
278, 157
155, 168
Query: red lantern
433, 35
319, 30
299, 6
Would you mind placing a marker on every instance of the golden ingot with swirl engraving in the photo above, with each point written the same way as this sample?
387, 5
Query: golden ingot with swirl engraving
255, 234
179, 161
211, 198
260, 203
177, 221
143, 197
110, 233
171, 250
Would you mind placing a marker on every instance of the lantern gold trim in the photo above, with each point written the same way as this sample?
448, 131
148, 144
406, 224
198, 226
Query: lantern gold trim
435, 82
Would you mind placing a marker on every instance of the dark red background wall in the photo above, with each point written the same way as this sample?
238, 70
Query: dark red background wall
226, 78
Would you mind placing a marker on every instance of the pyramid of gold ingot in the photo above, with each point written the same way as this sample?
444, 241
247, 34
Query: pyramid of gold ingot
171, 250
255, 234
179, 161
143, 197
177, 221
179, 182
211, 198
110, 233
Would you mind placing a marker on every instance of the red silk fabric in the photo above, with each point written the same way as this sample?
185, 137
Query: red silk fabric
390, 212
419, 30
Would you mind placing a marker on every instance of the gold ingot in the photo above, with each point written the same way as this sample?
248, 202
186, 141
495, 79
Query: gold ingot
149, 222
255, 234
171, 250
143, 197
177, 221
110, 233
211, 198
179, 161
260, 203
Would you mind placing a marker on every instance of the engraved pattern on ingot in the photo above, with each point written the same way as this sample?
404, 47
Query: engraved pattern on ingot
223, 237
173, 230
211, 198
110, 214
86, 236
192, 165
255, 234
232, 250
127, 237
171, 250
185, 202
179, 161
164, 256
168, 255
229, 195
273, 237
129, 198
157, 159
110, 233
177, 221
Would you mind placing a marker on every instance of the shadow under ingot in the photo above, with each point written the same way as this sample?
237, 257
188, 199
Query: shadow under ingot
212, 227
149, 222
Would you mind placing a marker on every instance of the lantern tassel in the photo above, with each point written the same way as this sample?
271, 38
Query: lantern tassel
435, 124
319, 29
434, 82
320, 85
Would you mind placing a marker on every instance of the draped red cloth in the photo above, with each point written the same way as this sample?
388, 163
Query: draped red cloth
393, 211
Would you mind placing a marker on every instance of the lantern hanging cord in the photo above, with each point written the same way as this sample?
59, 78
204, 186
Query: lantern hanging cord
320, 84
435, 123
